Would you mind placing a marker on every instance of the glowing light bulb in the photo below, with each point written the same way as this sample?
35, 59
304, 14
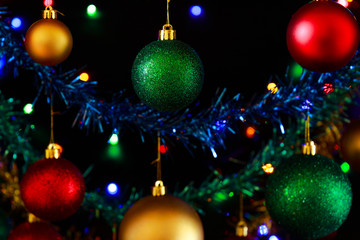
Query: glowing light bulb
196, 10
344, 3
16, 23
114, 139
163, 149
28, 108
268, 168
84, 77
91, 10
296, 70
263, 230
112, 188
272, 87
345, 167
250, 132
48, 3
273, 237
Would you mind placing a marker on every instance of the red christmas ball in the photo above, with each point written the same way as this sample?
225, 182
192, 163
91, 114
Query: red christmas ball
52, 189
34, 231
322, 36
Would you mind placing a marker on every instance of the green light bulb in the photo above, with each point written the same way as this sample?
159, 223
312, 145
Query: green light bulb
28, 108
91, 10
114, 139
345, 167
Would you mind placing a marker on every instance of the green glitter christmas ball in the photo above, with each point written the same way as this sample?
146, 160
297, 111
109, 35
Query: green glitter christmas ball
167, 75
309, 196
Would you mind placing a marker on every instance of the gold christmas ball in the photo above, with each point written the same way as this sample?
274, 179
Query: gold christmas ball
48, 42
161, 218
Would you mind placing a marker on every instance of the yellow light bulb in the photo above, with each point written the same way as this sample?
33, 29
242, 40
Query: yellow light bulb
84, 77
268, 168
272, 87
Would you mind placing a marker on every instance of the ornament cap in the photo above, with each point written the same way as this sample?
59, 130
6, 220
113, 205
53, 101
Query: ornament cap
242, 229
50, 13
167, 33
159, 189
309, 148
52, 151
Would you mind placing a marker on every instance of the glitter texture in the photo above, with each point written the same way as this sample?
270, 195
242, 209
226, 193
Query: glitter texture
309, 196
34, 231
167, 75
52, 189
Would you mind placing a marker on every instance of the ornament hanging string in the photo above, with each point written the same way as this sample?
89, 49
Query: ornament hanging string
51, 115
241, 207
307, 129
52, 151
158, 159
167, 11
308, 147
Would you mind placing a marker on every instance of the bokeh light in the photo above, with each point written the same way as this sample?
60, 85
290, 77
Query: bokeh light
112, 189
84, 77
163, 149
28, 108
345, 167
250, 132
263, 230
196, 10
91, 10
344, 3
114, 139
48, 3
272, 87
296, 70
273, 237
16, 23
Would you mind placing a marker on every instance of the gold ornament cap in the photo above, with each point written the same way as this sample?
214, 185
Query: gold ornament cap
309, 148
159, 189
50, 13
53, 151
167, 33
242, 229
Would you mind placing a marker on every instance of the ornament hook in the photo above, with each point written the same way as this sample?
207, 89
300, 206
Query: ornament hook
241, 227
167, 33
309, 147
50, 13
159, 188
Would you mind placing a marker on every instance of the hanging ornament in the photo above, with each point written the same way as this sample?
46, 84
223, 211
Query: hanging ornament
308, 195
48, 41
350, 145
167, 74
52, 188
322, 36
34, 231
161, 216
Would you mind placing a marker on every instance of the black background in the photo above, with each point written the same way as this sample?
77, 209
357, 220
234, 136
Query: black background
241, 43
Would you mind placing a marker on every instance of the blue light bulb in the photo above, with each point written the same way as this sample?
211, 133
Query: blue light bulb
16, 23
273, 237
196, 10
112, 189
